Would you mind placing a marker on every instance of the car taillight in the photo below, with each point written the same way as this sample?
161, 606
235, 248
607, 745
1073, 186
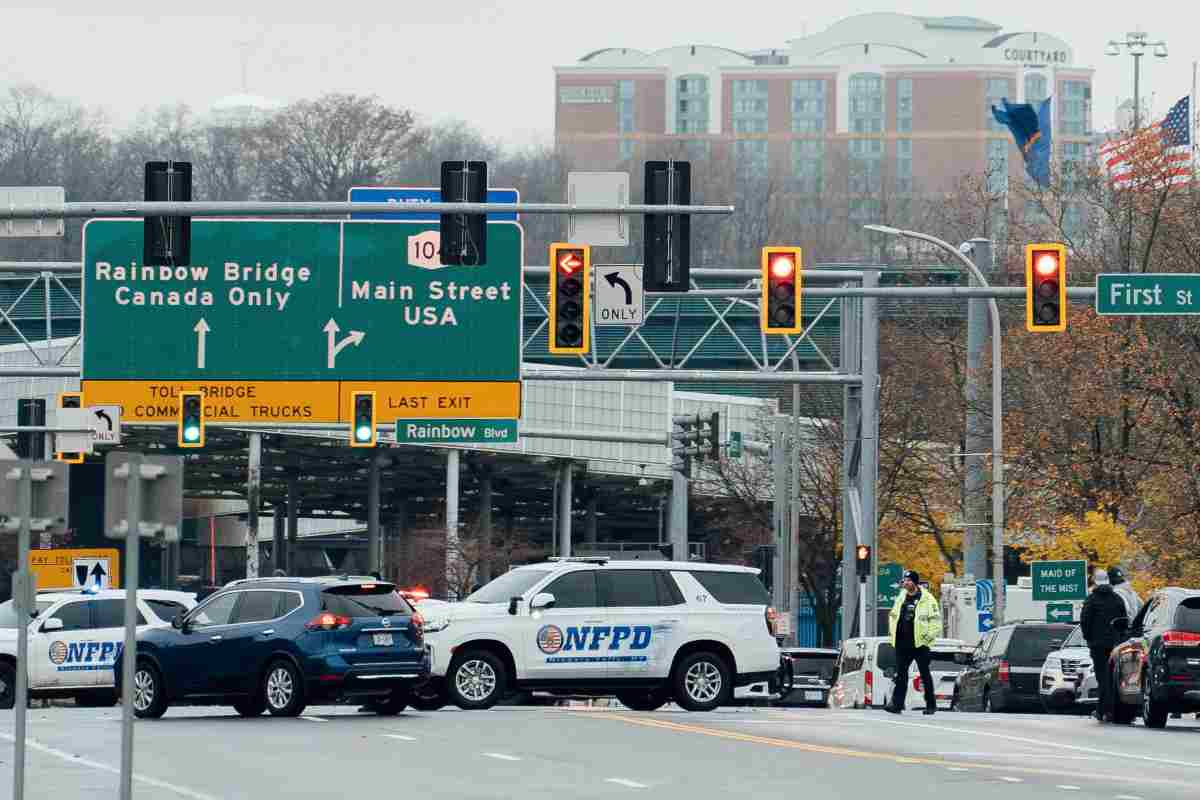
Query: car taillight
770, 616
870, 693
418, 626
1180, 639
1002, 674
917, 683
327, 622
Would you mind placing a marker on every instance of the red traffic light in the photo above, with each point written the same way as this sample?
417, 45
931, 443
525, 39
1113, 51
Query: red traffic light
783, 266
1047, 264
570, 260
864, 552
1045, 287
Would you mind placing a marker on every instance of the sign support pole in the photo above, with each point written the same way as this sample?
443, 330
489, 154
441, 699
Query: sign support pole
253, 490
133, 544
21, 597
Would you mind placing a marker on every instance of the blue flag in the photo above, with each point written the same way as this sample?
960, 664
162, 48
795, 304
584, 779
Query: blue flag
1032, 132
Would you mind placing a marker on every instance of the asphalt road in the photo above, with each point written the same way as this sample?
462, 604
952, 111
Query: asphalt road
606, 752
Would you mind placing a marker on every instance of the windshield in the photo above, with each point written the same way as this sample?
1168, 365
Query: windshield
8, 612
365, 600
1076, 638
813, 664
1031, 645
944, 662
508, 586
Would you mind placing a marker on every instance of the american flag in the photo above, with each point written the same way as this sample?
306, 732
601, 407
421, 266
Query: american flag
1161, 154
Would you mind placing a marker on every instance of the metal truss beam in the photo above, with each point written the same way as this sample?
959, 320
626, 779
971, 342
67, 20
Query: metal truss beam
207, 208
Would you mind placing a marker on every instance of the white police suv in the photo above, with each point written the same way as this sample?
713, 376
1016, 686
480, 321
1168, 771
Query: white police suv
647, 631
74, 639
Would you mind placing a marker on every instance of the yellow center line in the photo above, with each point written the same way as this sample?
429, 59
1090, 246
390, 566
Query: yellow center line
895, 758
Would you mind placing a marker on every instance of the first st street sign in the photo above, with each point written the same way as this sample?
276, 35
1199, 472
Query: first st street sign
280, 321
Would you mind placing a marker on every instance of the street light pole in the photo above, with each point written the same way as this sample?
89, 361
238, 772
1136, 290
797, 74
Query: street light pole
997, 411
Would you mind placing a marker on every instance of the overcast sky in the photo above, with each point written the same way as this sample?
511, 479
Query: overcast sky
486, 62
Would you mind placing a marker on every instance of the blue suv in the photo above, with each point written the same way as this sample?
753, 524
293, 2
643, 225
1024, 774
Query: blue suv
278, 644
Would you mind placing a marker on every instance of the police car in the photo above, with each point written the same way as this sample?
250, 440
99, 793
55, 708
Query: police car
647, 631
74, 639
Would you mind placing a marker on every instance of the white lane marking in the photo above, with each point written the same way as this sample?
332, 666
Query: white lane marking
1068, 787
315, 719
627, 783
1128, 797
401, 737
958, 769
182, 791
502, 756
1041, 742
1007, 779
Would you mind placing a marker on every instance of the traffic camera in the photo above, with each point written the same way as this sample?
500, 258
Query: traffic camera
862, 559
70, 400
191, 419
780, 309
1045, 288
362, 430
570, 281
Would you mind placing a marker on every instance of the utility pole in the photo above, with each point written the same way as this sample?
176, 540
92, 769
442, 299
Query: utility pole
976, 443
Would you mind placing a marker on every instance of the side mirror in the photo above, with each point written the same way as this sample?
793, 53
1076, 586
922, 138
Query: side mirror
962, 658
52, 624
1121, 624
542, 600
177, 621
514, 605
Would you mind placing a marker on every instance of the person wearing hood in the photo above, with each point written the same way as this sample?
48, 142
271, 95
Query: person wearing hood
1116, 579
1102, 607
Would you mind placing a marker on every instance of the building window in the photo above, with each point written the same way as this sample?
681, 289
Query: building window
866, 103
866, 165
808, 165
1035, 88
750, 106
626, 146
904, 169
751, 155
696, 149
997, 89
625, 121
904, 105
1072, 222
1073, 108
864, 211
808, 106
1074, 164
692, 97
997, 166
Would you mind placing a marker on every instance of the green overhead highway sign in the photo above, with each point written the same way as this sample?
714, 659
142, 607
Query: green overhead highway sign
1059, 580
1144, 295
281, 320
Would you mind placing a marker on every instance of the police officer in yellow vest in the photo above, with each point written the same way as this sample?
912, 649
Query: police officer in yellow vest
914, 624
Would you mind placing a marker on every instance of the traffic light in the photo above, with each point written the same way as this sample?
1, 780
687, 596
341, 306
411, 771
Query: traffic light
714, 436
1045, 288
668, 237
70, 400
862, 559
167, 241
735, 444
464, 236
780, 309
570, 281
362, 431
191, 419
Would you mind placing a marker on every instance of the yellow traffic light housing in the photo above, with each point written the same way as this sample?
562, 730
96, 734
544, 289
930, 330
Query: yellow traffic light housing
363, 431
780, 308
191, 419
1046, 288
570, 306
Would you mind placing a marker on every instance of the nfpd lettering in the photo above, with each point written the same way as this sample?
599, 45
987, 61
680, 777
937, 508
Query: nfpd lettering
577, 638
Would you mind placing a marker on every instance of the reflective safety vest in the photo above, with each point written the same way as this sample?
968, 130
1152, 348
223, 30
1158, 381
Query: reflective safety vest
927, 627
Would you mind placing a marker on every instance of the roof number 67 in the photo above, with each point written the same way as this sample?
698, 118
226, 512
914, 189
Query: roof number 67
701, 598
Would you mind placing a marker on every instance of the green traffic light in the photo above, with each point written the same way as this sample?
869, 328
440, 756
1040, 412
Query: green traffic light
191, 433
363, 433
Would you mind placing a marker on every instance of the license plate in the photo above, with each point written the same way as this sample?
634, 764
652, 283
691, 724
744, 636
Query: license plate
381, 639
812, 695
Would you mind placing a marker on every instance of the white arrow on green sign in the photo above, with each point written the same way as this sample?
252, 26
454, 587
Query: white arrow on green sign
1060, 612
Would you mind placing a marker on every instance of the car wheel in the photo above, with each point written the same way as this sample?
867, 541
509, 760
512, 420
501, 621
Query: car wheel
391, 705
1154, 714
250, 706
702, 682
283, 690
646, 700
477, 680
149, 693
8, 685
429, 697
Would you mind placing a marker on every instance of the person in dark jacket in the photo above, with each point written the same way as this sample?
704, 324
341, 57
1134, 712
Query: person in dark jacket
1102, 607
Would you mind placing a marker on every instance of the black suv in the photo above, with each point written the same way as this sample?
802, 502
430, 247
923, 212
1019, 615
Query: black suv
1156, 670
1002, 673
278, 644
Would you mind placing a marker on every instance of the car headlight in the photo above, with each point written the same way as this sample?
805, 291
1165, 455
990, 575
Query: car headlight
435, 625
1051, 663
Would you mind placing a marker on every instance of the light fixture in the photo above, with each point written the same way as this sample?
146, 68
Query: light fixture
1160, 50
1113, 49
